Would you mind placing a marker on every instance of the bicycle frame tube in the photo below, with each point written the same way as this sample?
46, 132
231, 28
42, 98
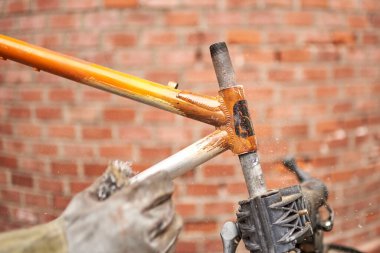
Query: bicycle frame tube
198, 107
189, 157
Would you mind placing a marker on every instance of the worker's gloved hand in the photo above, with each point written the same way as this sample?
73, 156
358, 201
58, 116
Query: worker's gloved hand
115, 216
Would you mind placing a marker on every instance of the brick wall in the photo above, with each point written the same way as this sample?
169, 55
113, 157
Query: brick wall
310, 70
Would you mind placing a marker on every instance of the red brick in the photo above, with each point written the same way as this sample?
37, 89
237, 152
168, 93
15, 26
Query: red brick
140, 19
135, 133
121, 39
17, 76
186, 247
61, 202
314, 74
62, 132
342, 37
213, 245
4, 211
202, 189
159, 4
257, 56
299, 18
181, 18
283, 112
296, 93
274, 148
31, 95
19, 112
64, 95
264, 18
33, 164
282, 37
295, 130
7, 24
3, 178
103, 19
241, 3
240, 36
78, 186
96, 133
51, 185
8, 161
48, 113
121, 3
78, 150
263, 130
177, 58
93, 169
314, 3
156, 116
219, 208
358, 21
220, 19
63, 21
96, 95
14, 146
64, 168
340, 5
324, 161
198, 3
47, 5
6, 129
122, 152
342, 107
198, 38
11, 196
186, 210
36, 200
135, 59
218, 170
295, 55
45, 149
160, 38
309, 146
200, 226
155, 153
118, 114
162, 76
343, 72
16, 6
281, 75
22, 180
84, 4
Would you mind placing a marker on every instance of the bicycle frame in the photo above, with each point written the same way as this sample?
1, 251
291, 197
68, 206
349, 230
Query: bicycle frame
228, 112
216, 111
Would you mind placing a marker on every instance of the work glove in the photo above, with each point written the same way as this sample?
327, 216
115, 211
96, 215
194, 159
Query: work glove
113, 215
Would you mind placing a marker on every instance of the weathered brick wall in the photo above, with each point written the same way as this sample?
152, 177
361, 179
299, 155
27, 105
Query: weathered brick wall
310, 70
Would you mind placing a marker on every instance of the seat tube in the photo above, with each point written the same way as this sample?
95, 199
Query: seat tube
240, 126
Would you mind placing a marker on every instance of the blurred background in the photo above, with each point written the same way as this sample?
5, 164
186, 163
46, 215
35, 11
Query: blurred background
311, 74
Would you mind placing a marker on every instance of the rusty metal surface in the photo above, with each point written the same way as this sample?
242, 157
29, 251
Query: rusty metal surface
202, 108
241, 136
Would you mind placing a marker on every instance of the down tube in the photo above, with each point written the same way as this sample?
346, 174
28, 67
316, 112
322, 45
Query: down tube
189, 157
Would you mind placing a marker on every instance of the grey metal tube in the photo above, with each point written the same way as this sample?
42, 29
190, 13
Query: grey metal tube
222, 64
253, 174
189, 157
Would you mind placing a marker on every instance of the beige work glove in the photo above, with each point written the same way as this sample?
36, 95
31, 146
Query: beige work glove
115, 216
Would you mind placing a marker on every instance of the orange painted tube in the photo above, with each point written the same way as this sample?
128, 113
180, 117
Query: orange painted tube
202, 108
